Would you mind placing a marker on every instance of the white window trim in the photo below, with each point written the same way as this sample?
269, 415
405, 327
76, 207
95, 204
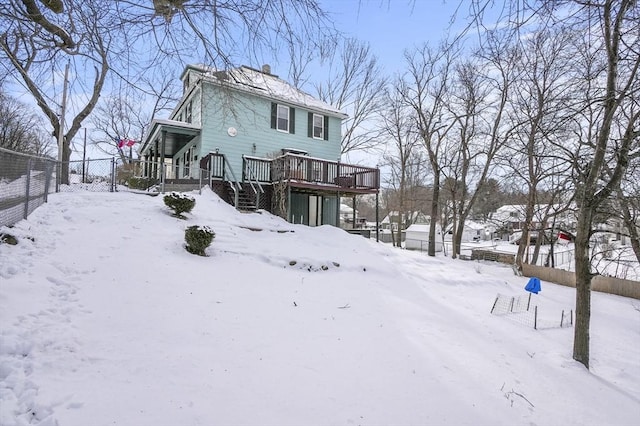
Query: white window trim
313, 129
278, 118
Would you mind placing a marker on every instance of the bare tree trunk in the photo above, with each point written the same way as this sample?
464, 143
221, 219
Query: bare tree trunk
630, 224
583, 288
431, 250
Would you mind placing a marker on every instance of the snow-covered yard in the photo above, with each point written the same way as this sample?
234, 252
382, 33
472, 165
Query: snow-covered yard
105, 319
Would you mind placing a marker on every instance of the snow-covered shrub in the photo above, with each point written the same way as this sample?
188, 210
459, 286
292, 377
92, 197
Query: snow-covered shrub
179, 203
140, 183
198, 238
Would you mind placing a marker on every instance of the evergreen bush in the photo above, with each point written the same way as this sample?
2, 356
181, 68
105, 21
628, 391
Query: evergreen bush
179, 203
198, 238
141, 183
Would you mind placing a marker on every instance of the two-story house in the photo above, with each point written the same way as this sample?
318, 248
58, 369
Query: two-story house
259, 142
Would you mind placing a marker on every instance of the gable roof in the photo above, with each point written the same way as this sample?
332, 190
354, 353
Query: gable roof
263, 84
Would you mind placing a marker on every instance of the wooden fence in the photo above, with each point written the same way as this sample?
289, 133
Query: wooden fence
610, 285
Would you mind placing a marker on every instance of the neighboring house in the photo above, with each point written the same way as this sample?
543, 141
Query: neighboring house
259, 142
510, 218
417, 237
347, 216
473, 231
390, 221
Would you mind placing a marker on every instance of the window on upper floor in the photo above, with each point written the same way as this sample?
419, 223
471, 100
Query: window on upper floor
186, 84
318, 126
188, 112
283, 118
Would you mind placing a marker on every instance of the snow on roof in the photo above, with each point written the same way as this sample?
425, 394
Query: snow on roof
419, 227
345, 209
268, 85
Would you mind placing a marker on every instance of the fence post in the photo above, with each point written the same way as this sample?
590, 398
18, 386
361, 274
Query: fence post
112, 187
58, 171
511, 307
48, 170
562, 319
494, 303
26, 191
535, 318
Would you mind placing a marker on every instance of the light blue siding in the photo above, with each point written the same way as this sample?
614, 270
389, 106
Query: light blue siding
251, 117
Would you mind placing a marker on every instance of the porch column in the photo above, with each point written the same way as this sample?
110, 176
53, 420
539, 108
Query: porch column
155, 160
162, 149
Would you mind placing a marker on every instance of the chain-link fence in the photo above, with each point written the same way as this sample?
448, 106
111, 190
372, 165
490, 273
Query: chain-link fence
25, 182
95, 175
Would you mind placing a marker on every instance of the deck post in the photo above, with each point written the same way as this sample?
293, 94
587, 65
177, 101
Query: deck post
377, 217
289, 204
338, 209
353, 224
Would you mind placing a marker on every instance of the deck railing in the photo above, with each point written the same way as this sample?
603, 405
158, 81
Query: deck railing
297, 168
255, 168
306, 169
250, 175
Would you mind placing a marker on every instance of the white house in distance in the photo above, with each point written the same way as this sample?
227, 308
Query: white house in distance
472, 232
347, 215
417, 237
511, 217
390, 221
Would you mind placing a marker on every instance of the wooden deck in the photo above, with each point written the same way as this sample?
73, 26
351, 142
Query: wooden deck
301, 171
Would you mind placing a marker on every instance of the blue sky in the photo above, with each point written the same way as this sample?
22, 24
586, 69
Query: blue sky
391, 26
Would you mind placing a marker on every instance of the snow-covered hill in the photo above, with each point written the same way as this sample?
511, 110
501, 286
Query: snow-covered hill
105, 319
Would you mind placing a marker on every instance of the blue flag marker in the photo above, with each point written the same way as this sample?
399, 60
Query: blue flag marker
533, 285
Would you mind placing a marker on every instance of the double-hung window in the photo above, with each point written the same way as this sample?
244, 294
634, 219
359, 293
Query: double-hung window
318, 126
283, 118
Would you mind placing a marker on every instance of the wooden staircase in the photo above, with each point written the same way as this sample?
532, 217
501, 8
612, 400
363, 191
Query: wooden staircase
246, 198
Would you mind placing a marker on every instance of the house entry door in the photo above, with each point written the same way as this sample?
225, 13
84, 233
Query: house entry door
306, 209
315, 210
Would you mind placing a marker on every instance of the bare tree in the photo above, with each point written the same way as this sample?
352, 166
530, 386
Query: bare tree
469, 155
606, 66
125, 115
628, 196
102, 39
610, 29
19, 128
542, 93
401, 138
36, 43
355, 84
425, 90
